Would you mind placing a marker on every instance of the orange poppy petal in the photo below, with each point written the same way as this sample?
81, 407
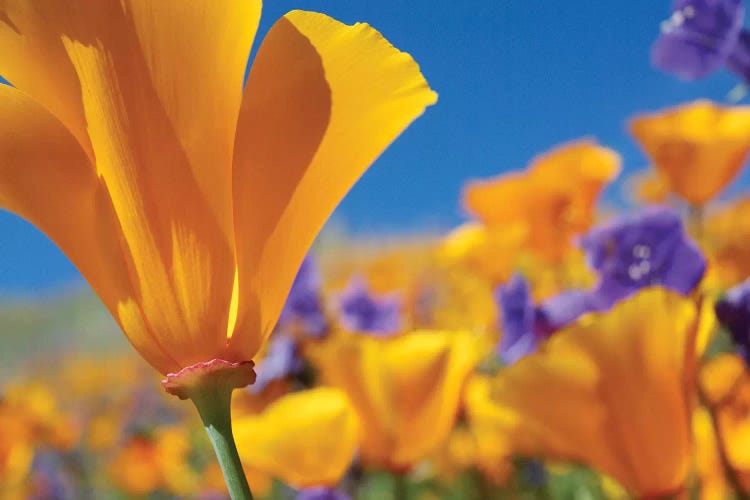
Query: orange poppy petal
307, 438
33, 58
45, 177
171, 204
406, 390
699, 148
612, 391
322, 101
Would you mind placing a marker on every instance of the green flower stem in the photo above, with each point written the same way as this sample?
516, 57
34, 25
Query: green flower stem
400, 486
213, 404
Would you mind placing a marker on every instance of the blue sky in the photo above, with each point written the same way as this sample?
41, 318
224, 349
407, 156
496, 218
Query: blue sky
515, 77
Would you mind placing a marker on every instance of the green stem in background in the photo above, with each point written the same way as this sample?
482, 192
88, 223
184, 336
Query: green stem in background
695, 217
213, 404
400, 487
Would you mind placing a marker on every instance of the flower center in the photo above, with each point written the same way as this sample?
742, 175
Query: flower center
640, 268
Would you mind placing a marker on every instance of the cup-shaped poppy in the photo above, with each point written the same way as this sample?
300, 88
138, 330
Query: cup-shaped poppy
726, 234
698, 148
186, 202
554, 198
491, 252
612, 391
147, 464
709, 463
306, 438
405, 390
725, 385
16, 451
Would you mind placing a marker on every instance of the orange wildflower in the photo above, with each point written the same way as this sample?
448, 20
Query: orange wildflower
725, 384
186, 202
554, 198
405, 390
580, 398
698, 148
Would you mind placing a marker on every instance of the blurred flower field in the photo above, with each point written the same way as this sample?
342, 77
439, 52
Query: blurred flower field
544, 349
551, 347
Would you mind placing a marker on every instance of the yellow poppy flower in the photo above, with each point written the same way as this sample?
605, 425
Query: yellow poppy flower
16, 452
159, 462
490, 251
725, 384
406, 390
649, 187
554, 197
708, 460
727, 230
698, 147
186, 202
306, 438
612, 391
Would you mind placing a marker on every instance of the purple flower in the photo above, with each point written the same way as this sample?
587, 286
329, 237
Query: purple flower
304, 305
700, 37
525, 325
563, 309
739, 60
322, 493
362, 312
517, 320
733, 311
281, 361
646, 250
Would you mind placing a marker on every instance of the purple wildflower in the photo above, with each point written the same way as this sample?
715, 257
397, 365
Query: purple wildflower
562, 310
304, 305
322, 493
281, 361
517, 320
701, 37
739, 60
525, 325
649, 249
733, 311
362, 312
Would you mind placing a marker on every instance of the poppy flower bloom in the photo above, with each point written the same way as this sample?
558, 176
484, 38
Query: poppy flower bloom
307, 439
725, 384
632, 253
553, 199
147, 464
581, 400
698, 148
406, 390
727, 232
491, 252
699, 38
709, 466
187, 202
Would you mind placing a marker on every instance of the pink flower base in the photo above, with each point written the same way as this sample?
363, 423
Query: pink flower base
209, 373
